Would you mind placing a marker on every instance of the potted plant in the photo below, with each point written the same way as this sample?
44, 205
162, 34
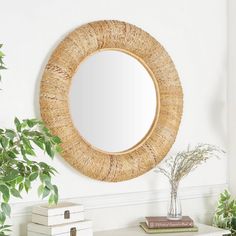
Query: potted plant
225, 214
18, 163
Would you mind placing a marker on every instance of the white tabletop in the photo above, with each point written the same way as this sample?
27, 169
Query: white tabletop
137, 231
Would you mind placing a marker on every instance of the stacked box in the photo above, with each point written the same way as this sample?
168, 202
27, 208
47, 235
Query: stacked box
65, 219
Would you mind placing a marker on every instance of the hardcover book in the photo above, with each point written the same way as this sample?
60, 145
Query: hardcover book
144, 226
160, 222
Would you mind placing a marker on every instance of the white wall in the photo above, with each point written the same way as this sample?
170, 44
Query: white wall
194, 32
232, 95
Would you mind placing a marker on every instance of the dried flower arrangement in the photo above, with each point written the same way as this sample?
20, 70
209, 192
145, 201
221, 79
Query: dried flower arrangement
175, 168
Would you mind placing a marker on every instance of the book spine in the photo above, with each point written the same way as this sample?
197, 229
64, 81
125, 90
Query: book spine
159, 225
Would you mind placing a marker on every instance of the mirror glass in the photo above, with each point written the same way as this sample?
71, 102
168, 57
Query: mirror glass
113, 101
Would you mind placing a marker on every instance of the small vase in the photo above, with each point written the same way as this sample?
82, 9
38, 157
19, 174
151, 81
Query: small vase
174, 206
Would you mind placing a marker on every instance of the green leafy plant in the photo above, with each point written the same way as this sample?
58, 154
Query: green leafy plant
19, 166
225, 214
18, 162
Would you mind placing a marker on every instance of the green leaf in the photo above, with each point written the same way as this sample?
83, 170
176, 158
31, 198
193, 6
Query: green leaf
21, 186
10, 143
12, 175
5, 192
35, 168
27, 185
6, 208
45, 178
46, 192
3, 68
30, 151
58, 148
19, 179
51, 199
15, 151
22, 150
52, 170
26, 142
49, 149
4, 142
10, 133
40, 190
33, 176
56, 140
55, 198
55, 189
231, 204
15, 193
44, 165
49, 185
46, 130
11, 154
5, 226
2, 218
30, 123
17, 124
55, 194
39, 143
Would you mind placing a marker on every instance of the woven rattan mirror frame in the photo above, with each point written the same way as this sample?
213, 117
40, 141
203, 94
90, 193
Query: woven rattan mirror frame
55, 86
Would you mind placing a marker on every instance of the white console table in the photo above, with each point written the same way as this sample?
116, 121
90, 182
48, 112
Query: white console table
137, 231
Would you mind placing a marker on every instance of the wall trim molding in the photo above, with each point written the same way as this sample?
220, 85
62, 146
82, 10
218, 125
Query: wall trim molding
127, 199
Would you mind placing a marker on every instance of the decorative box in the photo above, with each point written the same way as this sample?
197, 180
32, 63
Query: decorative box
82, 228
63, 213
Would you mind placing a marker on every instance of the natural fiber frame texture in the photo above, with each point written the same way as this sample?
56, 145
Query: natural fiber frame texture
54, 104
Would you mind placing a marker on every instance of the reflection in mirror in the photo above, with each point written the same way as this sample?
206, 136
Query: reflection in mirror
113, 101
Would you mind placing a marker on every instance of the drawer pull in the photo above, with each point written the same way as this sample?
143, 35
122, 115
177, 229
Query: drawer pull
73, 232
67, 215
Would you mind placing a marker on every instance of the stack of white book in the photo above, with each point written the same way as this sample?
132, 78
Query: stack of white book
65, 219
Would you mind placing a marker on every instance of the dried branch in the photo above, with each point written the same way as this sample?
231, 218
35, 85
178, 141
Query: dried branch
177, 167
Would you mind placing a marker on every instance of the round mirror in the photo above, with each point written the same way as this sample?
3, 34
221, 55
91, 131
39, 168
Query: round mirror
117, 114
113, 101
